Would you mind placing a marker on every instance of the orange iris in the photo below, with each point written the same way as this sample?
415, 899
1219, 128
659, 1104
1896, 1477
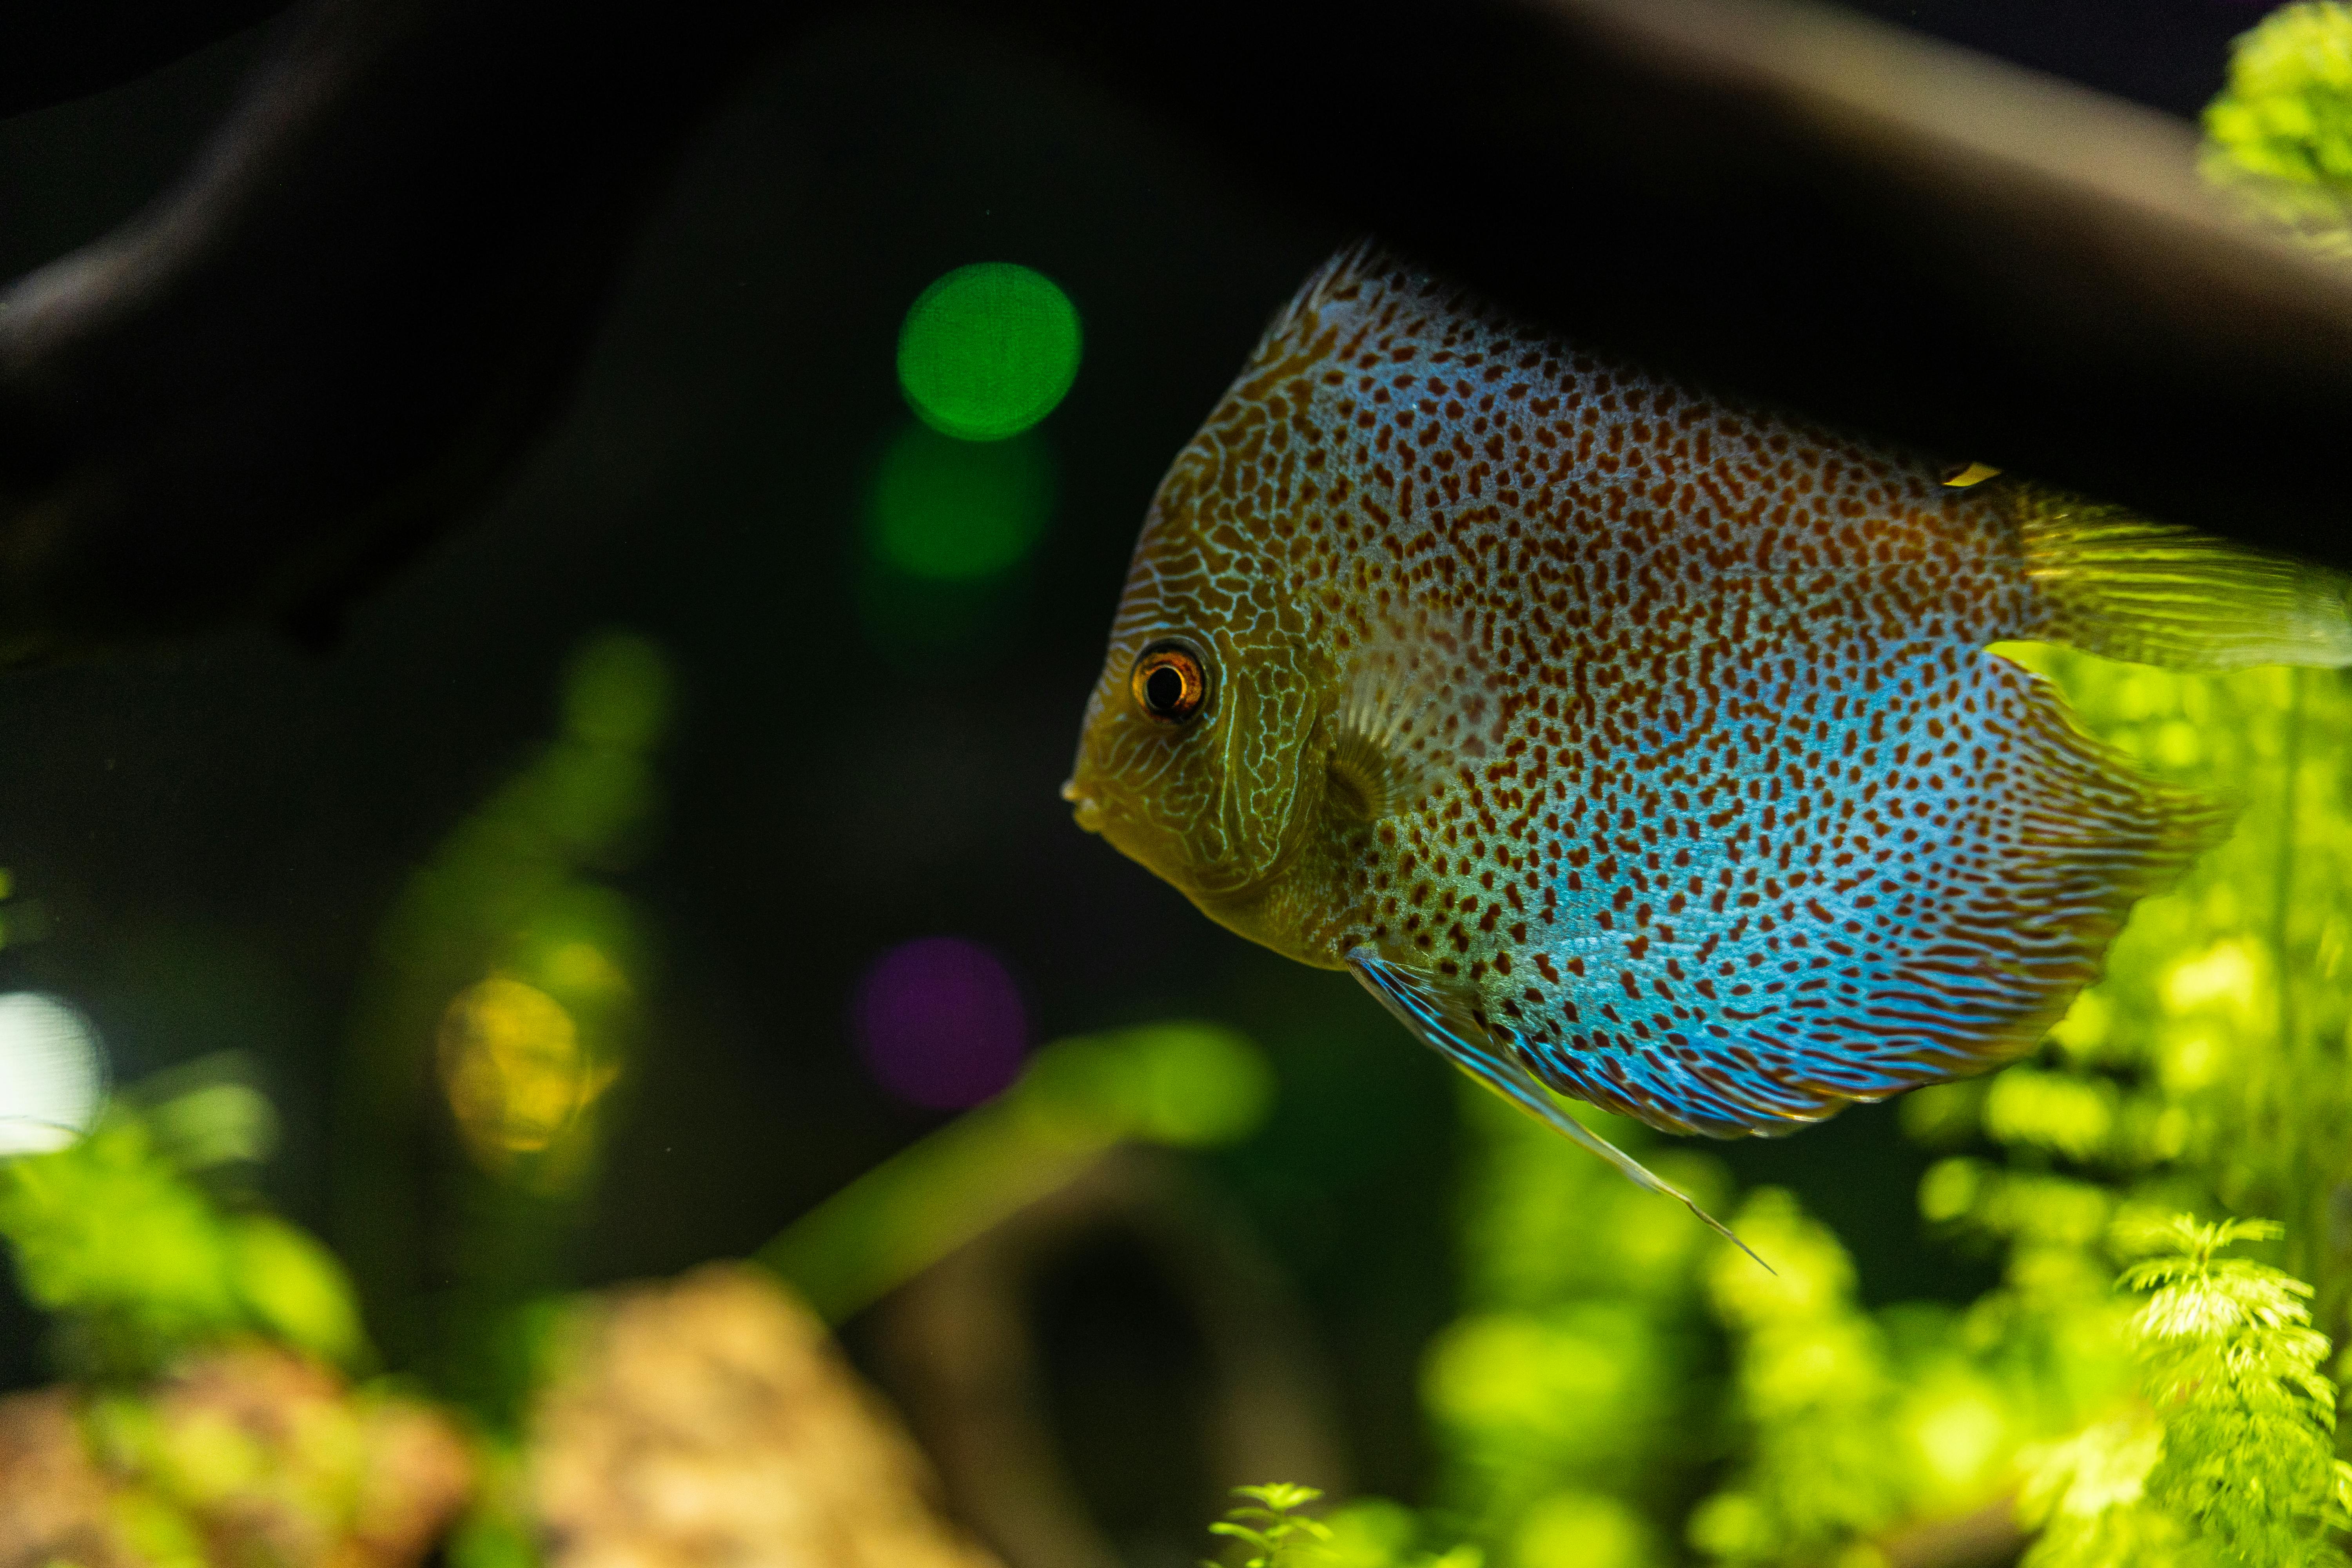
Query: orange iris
1169, 682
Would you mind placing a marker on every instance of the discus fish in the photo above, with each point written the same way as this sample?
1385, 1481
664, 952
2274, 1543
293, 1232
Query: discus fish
1635, 743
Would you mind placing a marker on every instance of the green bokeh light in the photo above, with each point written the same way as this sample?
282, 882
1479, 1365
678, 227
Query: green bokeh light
949, 510
988, 350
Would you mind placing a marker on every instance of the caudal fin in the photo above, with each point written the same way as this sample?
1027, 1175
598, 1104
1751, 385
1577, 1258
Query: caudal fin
2126, 588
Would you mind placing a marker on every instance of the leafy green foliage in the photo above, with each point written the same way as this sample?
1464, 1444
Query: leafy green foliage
1371, 1533
490, 1036
1271, 1529
1181, 1084
1562, 1394
2233, 1460
2207, 1072
2087, 1496
2280, 133
140, 1262
2231, 1364
2288, 110
509, 897
1812, 1387
2220, 1030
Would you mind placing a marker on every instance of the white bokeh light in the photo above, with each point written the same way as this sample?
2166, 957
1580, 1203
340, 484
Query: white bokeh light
52, 1074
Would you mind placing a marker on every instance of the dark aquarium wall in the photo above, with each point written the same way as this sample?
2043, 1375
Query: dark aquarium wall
635, 950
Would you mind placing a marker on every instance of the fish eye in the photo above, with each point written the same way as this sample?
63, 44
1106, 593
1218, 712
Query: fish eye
1170, 681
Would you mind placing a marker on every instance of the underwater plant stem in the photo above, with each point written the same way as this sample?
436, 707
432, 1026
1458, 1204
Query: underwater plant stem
923, 1203
1175, 1083
2301, 1238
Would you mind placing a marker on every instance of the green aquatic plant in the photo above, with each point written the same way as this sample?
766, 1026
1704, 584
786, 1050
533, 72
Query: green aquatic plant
2287, 109
2207, 1072
119, 1237
505, 996
2232, 1460
1177, 1084
1562, 1395
1370, 1532
2280, 134
1267, 1524
1813, 1390
2231, 1362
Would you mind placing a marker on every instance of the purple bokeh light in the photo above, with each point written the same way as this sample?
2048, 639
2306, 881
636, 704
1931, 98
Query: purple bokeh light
941, 1022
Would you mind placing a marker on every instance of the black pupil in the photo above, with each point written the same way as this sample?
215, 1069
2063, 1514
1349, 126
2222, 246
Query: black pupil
1163, 689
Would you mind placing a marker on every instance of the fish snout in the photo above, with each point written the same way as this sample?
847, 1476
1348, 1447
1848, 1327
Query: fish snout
1087, 814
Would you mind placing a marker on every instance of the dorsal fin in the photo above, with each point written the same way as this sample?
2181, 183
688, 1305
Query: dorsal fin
2124, 587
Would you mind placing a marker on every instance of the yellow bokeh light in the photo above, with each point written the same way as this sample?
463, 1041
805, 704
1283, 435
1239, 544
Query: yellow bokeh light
513, 1065
1960, 1431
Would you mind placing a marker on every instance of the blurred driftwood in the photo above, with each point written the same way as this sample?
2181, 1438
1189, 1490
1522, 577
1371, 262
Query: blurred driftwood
359, 303
61, 50
960, 1354
703, 1420
367, 296
53, 1497
1985, 1537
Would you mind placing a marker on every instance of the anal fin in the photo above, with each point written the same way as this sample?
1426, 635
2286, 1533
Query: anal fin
1448, 1028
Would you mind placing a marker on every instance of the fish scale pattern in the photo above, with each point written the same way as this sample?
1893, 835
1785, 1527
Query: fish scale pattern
1730, 819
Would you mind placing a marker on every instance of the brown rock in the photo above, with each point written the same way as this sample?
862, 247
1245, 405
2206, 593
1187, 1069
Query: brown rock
711, 1421
248, 1452
53, 1499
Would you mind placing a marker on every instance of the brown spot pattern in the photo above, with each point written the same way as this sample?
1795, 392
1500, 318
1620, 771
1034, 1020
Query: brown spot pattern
1742, 822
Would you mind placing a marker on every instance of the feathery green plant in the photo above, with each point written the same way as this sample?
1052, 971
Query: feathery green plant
1267, 1523
2288, 110
2230, 1359
1370, 1532
2234, 1461
1813, 1389
1562, 1394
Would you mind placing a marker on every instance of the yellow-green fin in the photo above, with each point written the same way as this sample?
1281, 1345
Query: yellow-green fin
2126, 588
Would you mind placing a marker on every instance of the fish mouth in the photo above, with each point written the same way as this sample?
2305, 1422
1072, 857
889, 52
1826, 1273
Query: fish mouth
1083, 811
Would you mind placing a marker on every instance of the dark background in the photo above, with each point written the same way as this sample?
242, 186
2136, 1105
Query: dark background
213, 831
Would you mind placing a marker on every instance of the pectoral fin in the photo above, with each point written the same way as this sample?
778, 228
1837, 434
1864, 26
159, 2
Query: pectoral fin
1414, 710
1450, 1028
